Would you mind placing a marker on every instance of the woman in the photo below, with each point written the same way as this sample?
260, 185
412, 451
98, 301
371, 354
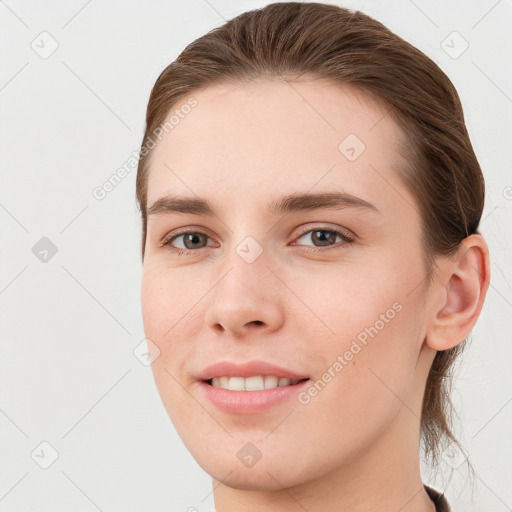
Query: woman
310, 202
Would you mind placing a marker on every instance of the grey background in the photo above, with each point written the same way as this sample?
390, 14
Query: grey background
69, 324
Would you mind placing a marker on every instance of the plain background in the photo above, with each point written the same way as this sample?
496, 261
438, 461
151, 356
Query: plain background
69, 325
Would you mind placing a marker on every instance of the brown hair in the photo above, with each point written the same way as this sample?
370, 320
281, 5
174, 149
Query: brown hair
293, 39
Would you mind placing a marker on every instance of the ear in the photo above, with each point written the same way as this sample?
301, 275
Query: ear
459, 290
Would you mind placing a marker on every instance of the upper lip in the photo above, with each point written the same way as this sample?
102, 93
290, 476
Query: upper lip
247, 369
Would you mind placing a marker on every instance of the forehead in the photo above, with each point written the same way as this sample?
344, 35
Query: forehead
271, 137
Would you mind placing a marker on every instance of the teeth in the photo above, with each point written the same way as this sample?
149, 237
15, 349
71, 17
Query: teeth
236, 384
271, 382
256, 383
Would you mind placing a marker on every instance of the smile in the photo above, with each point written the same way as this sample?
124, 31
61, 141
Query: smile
247, 400
255, 383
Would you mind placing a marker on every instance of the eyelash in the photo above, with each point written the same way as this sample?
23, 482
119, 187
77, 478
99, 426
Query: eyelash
347, 239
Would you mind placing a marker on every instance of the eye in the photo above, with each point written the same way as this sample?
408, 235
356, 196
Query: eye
325, 237
191, 241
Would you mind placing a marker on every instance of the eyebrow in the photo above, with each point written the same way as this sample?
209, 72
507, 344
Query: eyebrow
291, 203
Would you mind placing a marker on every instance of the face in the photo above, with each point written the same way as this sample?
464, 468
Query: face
327, 288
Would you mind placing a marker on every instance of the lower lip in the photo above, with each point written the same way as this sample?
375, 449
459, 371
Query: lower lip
250, 402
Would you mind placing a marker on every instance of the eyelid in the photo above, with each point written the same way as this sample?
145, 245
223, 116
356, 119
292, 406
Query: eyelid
345, 233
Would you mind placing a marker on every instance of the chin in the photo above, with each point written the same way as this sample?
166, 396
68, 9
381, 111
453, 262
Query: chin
262, 477
234, 468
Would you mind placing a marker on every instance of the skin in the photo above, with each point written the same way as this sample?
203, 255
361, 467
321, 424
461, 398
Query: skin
354, 446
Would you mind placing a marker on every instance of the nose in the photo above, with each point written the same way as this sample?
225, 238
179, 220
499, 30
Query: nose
247, 298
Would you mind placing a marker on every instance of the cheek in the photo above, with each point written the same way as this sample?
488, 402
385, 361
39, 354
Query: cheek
167, 301
169, 320
370, 341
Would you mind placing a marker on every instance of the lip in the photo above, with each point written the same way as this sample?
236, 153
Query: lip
247, 369
250, 402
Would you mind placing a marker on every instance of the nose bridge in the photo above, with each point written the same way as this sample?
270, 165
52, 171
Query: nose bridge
248, 245
245, 267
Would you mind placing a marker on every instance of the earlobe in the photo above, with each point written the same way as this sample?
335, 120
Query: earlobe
464, 279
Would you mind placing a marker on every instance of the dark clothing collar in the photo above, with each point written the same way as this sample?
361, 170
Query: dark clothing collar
438, 498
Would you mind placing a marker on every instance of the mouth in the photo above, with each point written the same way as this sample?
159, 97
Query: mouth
250, 387
253, 383
236, 395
